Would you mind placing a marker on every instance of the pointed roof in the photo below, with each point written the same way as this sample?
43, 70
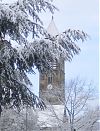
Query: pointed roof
52, 29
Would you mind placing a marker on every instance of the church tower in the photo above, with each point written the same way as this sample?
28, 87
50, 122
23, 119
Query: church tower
52, 85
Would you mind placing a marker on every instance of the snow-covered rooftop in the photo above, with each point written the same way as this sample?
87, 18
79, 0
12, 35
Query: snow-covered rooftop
52, 29
52, 116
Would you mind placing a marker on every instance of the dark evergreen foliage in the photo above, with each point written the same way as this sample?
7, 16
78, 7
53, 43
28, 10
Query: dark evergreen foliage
14, 22
14, 90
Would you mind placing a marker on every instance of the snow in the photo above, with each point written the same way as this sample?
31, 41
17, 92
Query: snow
8, 1
52, 116
38, 52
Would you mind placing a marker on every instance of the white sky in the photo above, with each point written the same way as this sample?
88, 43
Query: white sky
82, 15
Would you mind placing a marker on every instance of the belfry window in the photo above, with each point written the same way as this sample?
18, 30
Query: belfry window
53, 65
50, 79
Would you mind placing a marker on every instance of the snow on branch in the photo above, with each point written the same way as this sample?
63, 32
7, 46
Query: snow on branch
14, 83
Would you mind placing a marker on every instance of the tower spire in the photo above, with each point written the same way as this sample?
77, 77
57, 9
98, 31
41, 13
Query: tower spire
52, 29
53, 83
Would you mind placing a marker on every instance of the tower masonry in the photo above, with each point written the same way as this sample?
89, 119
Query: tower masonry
52, 85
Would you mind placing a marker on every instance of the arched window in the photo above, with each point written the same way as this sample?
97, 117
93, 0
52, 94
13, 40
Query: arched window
50, 79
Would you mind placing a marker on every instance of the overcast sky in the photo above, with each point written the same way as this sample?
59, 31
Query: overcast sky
82, 15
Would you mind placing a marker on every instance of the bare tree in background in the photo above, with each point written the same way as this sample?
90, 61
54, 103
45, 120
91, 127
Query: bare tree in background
12, 120
89, 120
79, 116
78, 96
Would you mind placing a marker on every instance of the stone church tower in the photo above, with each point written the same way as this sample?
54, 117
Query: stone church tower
52, 91
52, 84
